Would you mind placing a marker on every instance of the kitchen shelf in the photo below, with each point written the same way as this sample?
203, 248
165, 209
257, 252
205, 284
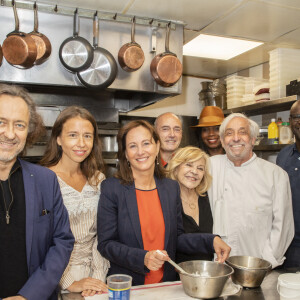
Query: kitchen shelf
269, 147
264, 107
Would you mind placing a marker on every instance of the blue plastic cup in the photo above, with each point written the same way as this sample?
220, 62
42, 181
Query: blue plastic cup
119, 286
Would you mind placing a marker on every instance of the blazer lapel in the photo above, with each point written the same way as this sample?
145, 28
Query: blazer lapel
130, 196
163, 197
28, 179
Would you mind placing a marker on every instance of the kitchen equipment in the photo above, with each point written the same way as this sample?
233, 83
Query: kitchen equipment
109, 143
76, 53
177, 267
103, 69
166, 68
19, 48
211, 281
1, 55
213, 93
131, 56
43, 44
248, 271
288, 286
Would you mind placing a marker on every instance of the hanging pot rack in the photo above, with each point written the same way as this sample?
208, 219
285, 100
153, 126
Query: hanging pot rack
89, 13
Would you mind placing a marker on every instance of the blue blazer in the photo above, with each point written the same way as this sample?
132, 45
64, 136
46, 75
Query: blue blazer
119, 231
49, 240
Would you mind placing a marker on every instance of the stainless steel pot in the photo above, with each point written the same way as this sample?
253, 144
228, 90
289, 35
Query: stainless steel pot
109, 143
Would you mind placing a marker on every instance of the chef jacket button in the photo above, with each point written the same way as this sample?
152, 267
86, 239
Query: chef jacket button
296, 169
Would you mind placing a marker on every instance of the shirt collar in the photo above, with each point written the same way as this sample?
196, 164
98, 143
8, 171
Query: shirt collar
248, 162
293, 150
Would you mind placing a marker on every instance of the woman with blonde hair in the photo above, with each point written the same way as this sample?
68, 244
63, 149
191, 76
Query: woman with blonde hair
190, 167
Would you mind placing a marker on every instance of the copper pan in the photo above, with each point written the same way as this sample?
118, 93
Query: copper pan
131, 56
43, 44
166, 68
19, 48
1, 55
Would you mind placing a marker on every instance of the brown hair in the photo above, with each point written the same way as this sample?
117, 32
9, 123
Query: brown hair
191, 154
124, 172
94, 163
36, 126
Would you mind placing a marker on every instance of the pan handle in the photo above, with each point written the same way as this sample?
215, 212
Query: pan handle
75, 23
17, 23
36, 21
167, 37
95, 29
133, 30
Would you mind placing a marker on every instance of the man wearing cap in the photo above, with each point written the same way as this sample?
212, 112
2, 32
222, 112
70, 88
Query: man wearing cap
210, 120
169, 129
289, 160
250, 197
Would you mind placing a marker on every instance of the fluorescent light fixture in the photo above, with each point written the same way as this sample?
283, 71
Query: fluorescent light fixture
217, 47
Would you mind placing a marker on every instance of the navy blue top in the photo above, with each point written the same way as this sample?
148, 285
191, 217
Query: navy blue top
289, 159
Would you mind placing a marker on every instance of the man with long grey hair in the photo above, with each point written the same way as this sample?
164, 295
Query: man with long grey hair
250, 197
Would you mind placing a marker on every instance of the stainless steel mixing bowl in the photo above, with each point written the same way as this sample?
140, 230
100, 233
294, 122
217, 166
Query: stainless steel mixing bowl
248, 271
206, 279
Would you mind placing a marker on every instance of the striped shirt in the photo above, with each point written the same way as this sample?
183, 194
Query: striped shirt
82, 208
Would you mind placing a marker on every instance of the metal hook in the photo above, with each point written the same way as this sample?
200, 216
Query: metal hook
76, 10
55, 8
115, 16
34, 5
151, 21
13, 3
96, 13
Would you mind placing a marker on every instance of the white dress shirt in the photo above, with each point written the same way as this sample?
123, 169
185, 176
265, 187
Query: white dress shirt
252, 207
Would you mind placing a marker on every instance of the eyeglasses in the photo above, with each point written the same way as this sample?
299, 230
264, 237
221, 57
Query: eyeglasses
295, 118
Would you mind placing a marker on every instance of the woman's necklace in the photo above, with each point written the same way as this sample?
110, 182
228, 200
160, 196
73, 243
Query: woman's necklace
190, 204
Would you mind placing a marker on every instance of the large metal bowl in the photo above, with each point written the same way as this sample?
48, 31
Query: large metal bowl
248, 271
206, 279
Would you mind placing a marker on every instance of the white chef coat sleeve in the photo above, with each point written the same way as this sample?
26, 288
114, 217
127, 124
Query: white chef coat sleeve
282, 231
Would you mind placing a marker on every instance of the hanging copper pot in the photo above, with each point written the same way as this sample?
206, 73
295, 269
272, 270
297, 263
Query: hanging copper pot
19, 49
43, 44
131, 56
166, 68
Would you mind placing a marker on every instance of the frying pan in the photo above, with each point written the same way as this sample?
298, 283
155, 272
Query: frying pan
131, 56
76, 53
43, 44
166, 68
1, 55
103, 69
19, 48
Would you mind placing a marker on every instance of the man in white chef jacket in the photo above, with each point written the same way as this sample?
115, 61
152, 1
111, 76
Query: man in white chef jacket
250, 197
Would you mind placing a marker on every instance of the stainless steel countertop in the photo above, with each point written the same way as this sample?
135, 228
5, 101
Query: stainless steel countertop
267, 291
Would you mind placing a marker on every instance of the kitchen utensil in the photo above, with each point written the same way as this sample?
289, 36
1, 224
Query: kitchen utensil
76, 53
248, 271
19, 48
177, 267
166, 68
211, 281
43, 44
131, 56
103, 69
1, 55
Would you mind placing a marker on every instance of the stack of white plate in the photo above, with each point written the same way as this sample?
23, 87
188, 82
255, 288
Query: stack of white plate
284, 67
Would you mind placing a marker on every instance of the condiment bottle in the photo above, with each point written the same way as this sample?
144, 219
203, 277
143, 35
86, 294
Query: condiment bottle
279, 124
273, 133
285, 135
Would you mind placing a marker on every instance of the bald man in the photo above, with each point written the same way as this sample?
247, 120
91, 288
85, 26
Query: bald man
169, 129
289, 160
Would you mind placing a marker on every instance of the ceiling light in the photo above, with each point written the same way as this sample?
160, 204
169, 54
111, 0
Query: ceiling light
217, 47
